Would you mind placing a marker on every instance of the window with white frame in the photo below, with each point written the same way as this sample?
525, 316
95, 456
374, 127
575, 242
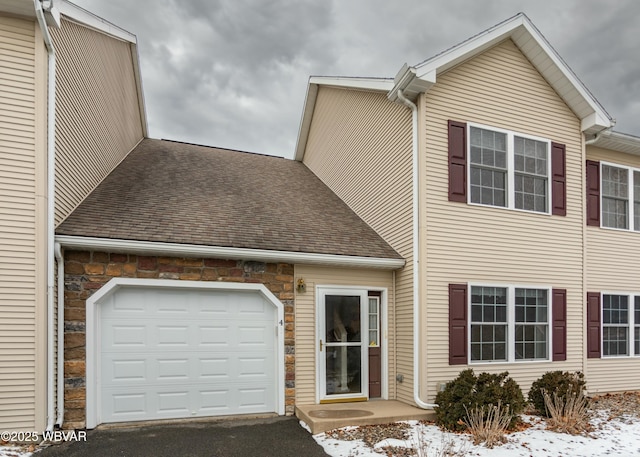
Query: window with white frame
509, 323
509, 170
620, 197
620, 325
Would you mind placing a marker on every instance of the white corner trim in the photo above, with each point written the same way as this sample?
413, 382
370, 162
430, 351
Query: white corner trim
193, 250
92, 357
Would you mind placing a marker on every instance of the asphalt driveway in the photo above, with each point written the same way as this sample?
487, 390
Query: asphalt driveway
279, 436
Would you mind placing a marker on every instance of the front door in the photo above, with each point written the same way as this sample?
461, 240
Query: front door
343, 345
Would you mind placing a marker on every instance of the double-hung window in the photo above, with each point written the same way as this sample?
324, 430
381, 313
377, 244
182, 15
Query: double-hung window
620, 325
509, 323
509, 170
620, 197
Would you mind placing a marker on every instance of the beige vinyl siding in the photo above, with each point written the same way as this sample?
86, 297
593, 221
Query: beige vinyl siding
98, 119
360, 146
463, 243
22, 226
612, 266
306, 316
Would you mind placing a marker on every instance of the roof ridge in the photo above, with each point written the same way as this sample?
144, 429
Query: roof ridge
218, 147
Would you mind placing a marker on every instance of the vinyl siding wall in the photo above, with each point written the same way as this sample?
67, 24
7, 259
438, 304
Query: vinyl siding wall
22, 225
306, 317
360, 146
98, 118
612, 266
462, 243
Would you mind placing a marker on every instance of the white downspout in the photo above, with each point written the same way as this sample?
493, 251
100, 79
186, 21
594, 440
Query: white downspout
51, 87
60, 260
416, 257
604, 132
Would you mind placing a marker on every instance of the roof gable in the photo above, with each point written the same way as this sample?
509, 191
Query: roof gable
533, 45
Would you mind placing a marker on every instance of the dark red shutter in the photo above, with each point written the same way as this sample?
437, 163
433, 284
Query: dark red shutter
559, 180
593, 325
593, 193
559, 315
457, 324
457, 162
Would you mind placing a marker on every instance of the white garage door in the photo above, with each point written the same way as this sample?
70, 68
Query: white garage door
176, 353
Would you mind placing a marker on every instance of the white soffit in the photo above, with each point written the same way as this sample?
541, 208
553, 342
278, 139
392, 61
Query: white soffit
18, 7
541, 55
621, 142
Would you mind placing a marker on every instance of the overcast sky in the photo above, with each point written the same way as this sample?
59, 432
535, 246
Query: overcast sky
233, 73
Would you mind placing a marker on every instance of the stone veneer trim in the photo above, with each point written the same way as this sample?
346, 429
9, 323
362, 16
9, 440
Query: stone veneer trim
87, 271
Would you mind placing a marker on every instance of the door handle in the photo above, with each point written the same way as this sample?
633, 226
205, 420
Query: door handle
320, 345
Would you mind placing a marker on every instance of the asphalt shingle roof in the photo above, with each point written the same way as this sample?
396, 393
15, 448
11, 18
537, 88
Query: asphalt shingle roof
173, 192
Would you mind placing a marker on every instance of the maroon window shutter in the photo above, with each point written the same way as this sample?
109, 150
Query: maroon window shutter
593, 193
559, 180
593, 325
457, 324
457, 162
559, 315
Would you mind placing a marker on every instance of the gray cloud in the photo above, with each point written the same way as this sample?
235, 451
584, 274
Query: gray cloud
233, 73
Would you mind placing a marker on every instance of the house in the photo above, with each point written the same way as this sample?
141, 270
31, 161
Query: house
474, 211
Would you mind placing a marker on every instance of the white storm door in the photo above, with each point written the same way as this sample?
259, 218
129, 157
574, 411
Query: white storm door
342, 357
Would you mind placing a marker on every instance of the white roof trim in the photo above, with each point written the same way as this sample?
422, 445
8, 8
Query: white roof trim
531, 43
89, 19
381, 84
617, 141
193, 250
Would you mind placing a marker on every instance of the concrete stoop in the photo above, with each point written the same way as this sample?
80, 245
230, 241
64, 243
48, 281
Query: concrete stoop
321, 418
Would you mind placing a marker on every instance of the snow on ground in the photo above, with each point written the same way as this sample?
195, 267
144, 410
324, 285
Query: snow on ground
611, 437
14, 451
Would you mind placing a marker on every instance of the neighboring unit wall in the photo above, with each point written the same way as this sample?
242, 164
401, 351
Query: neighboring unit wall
98, 117
464, 243
22, 225
612, 266
306, 315
360, 146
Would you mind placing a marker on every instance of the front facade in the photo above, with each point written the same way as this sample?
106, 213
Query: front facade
478, 212
513, 274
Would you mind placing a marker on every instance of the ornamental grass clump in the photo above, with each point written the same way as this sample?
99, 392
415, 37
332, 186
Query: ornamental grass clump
568, 413
488, 424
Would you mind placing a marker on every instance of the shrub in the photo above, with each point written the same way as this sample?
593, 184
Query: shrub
558, 382
469, 391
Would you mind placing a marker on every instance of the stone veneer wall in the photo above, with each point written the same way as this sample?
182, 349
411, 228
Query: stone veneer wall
86, 272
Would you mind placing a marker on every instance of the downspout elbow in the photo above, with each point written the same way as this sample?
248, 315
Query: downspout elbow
416, 254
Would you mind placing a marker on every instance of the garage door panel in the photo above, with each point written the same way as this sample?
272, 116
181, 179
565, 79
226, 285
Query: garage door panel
211, 354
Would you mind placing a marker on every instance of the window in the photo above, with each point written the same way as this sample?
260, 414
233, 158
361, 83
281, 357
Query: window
509, 324
620, 197
508, 170
620, 325
374, 320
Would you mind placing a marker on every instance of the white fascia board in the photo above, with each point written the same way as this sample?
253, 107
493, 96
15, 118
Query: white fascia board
617, 141
379, 84
519, 28
305, 121
89, 19
470, 48
194, 250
